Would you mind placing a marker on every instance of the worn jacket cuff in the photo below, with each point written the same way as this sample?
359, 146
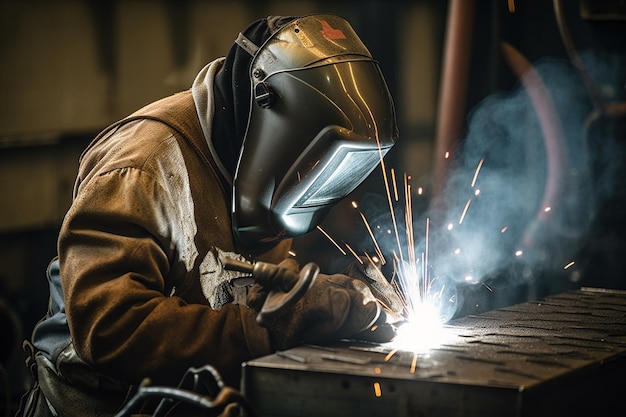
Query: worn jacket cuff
257, 337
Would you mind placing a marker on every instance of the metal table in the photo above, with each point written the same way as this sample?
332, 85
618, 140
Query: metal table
561, 356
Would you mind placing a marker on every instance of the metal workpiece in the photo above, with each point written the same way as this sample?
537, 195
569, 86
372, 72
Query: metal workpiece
561, 356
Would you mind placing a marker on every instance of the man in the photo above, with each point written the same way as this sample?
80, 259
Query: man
254, 154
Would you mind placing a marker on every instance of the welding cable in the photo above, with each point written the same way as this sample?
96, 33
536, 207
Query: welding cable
552, 130
226, 397
454, 85
205, 380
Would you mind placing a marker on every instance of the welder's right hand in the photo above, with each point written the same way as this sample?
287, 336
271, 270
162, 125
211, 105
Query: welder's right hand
335, 307
368, 272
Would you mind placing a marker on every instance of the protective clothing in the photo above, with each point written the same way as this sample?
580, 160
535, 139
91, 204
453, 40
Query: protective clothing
336, 306
140, 267
321, 118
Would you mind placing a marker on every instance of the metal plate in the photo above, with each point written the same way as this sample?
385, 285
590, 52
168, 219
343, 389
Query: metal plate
564, 355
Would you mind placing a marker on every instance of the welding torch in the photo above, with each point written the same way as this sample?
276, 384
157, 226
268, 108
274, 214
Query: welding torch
285, 287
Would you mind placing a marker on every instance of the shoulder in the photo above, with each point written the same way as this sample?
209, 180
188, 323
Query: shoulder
129, 145
154, 132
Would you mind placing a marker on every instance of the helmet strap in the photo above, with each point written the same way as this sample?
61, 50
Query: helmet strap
246, 44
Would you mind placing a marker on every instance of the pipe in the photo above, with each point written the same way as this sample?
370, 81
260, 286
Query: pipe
452, 95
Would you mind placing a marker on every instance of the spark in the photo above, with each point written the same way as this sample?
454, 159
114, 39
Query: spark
395, 186
390, 354
413, 362
369, 229
332, 240
292, 253
504, 229
465, 211
547, 209
372, 259
519, 253
480, 164
427, 301
446, 155
352, 251
377, 390
426, 250
424, 302
391, 210
408, 219
511, 4
569, 265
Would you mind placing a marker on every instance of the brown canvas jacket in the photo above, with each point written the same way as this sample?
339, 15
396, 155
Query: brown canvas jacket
140, 252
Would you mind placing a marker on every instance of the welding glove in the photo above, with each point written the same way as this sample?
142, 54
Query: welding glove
383, 291
258, 293
335, 307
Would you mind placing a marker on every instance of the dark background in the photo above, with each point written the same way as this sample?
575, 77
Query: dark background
69, 68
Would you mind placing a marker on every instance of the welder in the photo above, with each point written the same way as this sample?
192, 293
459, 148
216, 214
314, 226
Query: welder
255, 153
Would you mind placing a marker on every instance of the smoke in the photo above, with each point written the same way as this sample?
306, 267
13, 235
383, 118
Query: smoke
515, 218
534, 198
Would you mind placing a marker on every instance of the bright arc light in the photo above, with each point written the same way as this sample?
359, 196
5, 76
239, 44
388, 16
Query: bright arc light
423, 330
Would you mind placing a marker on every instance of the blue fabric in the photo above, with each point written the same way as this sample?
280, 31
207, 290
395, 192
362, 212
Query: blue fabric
51, 335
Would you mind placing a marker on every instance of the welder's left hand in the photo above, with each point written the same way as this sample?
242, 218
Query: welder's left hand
383, 291
259, 292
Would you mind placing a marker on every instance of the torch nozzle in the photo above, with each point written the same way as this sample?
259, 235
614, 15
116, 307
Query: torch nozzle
237, 265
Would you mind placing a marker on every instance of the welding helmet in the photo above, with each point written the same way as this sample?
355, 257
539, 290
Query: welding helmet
321, 119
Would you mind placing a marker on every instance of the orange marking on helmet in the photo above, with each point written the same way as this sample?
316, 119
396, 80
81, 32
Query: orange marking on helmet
329, 32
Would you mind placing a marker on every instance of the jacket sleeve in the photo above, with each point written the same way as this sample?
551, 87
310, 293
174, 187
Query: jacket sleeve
116, 249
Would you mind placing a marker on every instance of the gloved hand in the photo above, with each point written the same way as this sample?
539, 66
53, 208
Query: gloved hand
259, 292
335, 307
381, 288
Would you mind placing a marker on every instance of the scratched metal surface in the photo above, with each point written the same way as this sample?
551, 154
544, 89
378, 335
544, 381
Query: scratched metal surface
564, 354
